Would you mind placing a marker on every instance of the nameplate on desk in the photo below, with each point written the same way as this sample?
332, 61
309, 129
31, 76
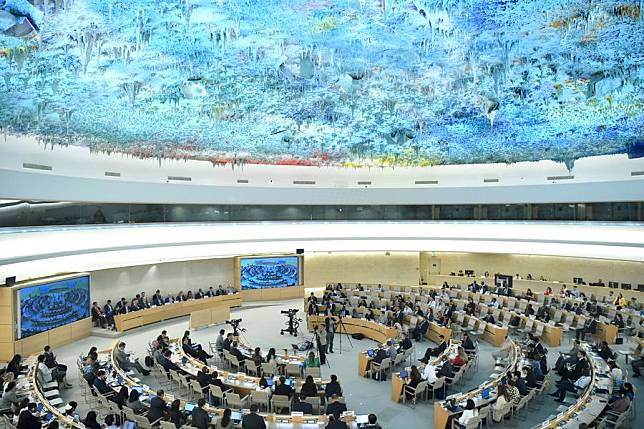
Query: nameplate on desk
297, 414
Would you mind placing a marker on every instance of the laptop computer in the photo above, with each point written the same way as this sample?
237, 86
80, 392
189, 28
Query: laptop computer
139, 389
236, 417
189, 407
371, 353
404, 374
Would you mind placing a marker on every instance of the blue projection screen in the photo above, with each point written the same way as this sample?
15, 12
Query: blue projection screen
266, 273
50, 305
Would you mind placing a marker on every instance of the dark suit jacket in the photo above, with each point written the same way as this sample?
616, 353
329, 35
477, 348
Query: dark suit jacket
158, 408
28, 421
157, 300
204, 380
200, 418
283, 389
102, 387
332, 389
521, 386
337, 424
304, 407
335, 406
253, 421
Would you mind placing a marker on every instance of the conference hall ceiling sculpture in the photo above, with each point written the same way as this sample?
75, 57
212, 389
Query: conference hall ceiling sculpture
321, 82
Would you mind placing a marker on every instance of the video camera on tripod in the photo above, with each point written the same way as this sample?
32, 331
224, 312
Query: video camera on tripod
293, 323
235, 324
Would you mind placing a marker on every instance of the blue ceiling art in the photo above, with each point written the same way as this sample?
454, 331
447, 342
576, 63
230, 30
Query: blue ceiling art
320, 82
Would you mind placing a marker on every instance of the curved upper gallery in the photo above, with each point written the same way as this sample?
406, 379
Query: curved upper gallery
34, 252
33, 170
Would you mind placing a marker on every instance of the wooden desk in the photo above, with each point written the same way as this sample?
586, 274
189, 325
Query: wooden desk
397, 386
552, 335
209, 316
369, 329
435, 330
494, 334
606, 332
135, 319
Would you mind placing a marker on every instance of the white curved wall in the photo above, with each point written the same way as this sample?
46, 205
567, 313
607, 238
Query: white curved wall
75, 174
34, 252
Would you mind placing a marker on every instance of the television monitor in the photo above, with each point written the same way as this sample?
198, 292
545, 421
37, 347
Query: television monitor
503, 280
269, 272
50, 305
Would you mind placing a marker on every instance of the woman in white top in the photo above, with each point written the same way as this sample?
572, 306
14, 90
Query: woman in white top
469, 413
502, 400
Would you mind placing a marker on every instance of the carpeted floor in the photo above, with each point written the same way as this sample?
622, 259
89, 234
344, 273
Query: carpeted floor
263, 323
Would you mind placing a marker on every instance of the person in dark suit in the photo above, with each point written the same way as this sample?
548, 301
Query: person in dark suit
228, 342
166, 363
101, 386
406, 344
302, 406
467, 343
157, 298
204, 379
282, 388
122, 307
519, 383
590, 327
420, 329
373, 422
335, 406
27, 418
158, 407
333, 387
336, 423
434, 351
108, 309
176, 415
253, 420
200, 417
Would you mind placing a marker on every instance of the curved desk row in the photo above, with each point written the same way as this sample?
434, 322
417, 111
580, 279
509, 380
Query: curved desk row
398, 384
460, 282
372, 330
135, 319
551, 334
273, 420
590, 404
239, 382
442, 414
28, 385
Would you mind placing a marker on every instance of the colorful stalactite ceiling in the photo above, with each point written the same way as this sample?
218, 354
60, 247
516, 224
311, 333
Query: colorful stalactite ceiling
321, 82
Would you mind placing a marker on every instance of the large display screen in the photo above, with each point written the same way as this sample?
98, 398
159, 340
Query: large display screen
266, 273
312, 82
50, 305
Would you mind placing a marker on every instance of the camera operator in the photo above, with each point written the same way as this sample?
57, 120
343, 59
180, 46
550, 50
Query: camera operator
329, 327
320, 338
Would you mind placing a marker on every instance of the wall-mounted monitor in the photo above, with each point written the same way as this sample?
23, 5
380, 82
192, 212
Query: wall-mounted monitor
53, 304
269, 272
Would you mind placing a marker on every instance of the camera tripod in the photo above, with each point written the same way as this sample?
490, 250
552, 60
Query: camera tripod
293, 325
341, 326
